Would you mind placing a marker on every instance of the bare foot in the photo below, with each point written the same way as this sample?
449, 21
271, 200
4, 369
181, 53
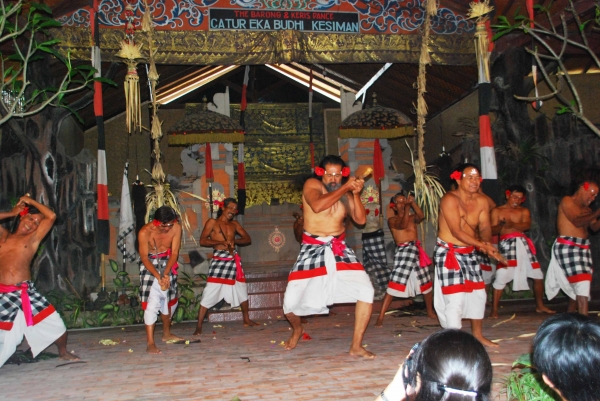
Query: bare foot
486, 342
293, 340
198, 331
360, 351
493, 315
67, 356
171, 337
379, 323
151, 349
544, 309
249, 323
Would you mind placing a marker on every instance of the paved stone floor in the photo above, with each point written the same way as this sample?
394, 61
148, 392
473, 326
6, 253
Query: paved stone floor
250, 363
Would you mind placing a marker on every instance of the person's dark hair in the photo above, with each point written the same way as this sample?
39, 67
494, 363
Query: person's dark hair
226, 203
463, 166
331, 159
455, 359
165, 214
517, 188
566, 349
582, 183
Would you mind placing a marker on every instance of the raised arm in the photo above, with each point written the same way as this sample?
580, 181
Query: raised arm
572, 213
419, 215
357, 209
319, 201
244, 237
48, 221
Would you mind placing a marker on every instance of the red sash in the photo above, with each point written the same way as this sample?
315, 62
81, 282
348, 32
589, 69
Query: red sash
567, 242
424, 260
337, 243
239, 273
451, 263
520, 235
25, 304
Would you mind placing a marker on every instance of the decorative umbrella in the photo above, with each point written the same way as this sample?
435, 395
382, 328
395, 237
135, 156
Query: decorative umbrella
200, 125
377, 122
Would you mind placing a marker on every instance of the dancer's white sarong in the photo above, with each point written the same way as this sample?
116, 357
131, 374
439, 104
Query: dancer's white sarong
570, 268
517, 272
225, 280
325, 273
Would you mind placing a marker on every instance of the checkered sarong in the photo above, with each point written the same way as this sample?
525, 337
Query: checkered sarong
222, 268
406, 260
374, 258
508, 249
311, 260
467, 278
574, 257
147, 279
484, 261
10, 304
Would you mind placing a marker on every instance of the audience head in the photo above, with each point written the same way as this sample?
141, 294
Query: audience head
566, 351
451, 365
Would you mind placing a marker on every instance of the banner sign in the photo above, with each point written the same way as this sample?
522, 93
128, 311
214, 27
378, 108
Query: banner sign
276, 20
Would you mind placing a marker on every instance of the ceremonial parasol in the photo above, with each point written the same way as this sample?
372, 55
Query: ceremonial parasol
377, 122
200, 125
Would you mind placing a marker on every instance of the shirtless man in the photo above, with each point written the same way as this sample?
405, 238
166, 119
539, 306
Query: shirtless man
225, 275
511, 220
410, 276
571, 267
459, 288
326, 271
159, 241
23, 310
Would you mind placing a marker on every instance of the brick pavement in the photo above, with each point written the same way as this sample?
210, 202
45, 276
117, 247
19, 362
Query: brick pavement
318, 369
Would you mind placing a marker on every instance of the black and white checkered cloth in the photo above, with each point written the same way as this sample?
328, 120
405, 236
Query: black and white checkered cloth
406, 260
147, 279
508, 249
312, 256
484, 261
374, 258
128, 251
469, 271
10, 304
573, 259
223, 269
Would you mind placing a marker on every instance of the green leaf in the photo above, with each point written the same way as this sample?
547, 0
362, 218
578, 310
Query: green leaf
108, 307
15, 57
524, 360
51, 42
113, 265
179, 315
105, 81
118, 282
40, 7
122, 273
184, 301
116, 308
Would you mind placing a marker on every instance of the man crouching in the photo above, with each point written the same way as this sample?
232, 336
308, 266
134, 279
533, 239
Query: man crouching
159, 249
327, 271
23, 310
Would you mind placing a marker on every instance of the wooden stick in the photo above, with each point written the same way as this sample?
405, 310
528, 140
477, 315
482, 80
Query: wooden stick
102, 272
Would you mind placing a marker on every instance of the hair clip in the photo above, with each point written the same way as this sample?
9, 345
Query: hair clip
345, 171
24, 211
457, 175
218, 203
155, 223
586, 186
451, 390
319, 171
